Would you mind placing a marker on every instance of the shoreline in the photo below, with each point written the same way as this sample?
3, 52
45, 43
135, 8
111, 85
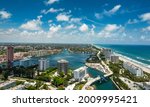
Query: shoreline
132, 61
124, 58
96, 66
117, 86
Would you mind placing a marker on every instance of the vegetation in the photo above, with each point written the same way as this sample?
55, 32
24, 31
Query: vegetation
19, 82
116, 67
93, 59
118, 70
79, 86
2, 52
46, 75
102, 56
84, 49
133, 77
21, 71
35, 87
5, 75
57, 81
120, 83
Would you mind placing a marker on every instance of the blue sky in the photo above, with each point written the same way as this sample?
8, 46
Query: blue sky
75, 21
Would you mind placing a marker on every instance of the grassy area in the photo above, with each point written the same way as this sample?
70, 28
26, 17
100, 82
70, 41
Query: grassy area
120, 83
93, 59
79, 86
2, 52
118, 70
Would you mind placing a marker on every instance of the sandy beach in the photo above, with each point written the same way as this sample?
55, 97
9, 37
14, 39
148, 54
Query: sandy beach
144, 68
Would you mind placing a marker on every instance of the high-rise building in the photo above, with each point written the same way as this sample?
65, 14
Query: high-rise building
80, 73
107, 53
114, 59
10, 56
43, 64
62, 66
133, 69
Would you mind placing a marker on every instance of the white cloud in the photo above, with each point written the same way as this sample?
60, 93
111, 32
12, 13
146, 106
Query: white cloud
145, 17
98, 16
52, 1
54, 28
84, 28
142, 37
75, 20
134, 21
50, 21
32, 24
51, 10
146, 29
113, 10
4, 14
110, 30
111, 27
72, 26
92, 30
63, 17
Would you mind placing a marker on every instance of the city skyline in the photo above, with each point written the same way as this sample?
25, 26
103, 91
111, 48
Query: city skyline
71, 21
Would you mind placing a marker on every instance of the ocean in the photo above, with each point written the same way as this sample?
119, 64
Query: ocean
140, 53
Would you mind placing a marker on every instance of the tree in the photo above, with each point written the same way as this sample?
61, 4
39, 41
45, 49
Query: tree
57, 81
5, 74
1, 70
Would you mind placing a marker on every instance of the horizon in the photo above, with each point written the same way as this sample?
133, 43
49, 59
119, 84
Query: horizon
72, 22
74, 43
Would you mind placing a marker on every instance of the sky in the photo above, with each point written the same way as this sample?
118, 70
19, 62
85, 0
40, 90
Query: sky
75, 21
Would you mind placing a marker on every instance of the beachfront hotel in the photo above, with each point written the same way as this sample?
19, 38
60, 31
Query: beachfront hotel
62, 66
133, 69
80, 73
43, 64
114, 58
107, 53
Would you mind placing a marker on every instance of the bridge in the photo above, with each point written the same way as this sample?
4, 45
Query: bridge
91, 82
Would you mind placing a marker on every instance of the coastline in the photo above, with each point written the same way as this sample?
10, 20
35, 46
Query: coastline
141, 65
134, 62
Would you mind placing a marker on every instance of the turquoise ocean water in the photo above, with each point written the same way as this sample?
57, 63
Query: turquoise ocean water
140, 53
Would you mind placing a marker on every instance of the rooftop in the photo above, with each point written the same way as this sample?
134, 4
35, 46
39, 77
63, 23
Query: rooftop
62, 61
81, 69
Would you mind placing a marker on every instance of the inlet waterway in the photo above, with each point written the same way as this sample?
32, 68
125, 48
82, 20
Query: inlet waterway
77, 60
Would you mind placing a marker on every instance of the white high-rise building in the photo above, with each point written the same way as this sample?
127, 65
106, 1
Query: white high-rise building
133, 69
43, 64
107, 53
80, 73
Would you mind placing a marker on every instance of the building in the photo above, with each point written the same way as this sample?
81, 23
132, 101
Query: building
107, 53
133, 69
80, 73
62, 66
10, 56
26, 62
43, 64
114, 59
